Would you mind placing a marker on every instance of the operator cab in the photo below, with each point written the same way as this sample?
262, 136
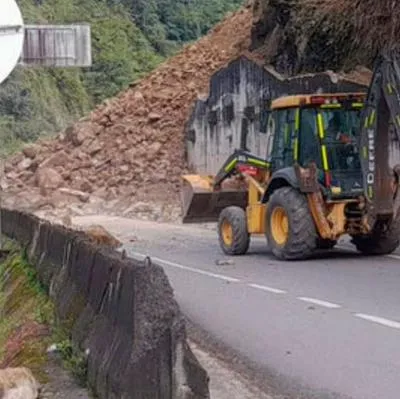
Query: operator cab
322, 129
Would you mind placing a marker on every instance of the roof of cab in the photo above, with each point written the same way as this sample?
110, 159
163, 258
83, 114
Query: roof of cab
304, 99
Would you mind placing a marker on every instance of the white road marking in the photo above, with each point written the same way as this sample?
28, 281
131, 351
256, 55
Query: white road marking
375, 319
269, 289
319, 302
379, 320
187, 268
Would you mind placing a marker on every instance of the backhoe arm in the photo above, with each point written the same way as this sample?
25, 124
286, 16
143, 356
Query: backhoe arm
233, 165
380, 115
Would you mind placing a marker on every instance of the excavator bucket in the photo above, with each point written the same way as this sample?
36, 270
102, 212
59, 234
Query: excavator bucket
202, 204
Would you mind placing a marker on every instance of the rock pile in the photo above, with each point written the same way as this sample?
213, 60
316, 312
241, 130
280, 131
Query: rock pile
131, 148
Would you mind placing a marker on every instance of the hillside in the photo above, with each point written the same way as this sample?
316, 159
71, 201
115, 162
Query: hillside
130, 38
130, 148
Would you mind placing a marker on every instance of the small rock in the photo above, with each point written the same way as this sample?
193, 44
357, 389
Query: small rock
84, 197
25, 164
26, 175
52, 348
94, 147
154, 117
101, 236
153, 149
224, 262
139, 207
16, 159
86, 186
138, 96
66, 221
8, 167
78, 139
31, 151
4, 186
12, 175
60, 158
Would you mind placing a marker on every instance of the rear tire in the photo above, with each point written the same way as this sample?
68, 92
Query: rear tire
381, 241
290, 228
233, 234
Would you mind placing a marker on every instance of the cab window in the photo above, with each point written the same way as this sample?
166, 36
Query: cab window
284, 134
309, 150
340, 131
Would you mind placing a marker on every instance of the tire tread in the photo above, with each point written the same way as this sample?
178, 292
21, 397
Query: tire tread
241, 237
302, 240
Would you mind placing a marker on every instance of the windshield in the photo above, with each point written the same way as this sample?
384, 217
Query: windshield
341, 128
340, 131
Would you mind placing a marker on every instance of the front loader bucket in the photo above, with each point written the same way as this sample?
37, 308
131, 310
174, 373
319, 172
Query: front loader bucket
201, 204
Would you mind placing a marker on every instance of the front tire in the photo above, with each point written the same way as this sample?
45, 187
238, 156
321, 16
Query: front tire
290, 228
233, 234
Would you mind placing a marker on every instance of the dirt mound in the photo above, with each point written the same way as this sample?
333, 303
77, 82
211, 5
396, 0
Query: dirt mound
132, 146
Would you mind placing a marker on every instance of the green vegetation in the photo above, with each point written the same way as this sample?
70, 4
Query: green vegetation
23, 301
23, 304
75, 362
169, 23
129, 39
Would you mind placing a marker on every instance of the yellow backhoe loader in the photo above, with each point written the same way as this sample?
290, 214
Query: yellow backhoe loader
326, 174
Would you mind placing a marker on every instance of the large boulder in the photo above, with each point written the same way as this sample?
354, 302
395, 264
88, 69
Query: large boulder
18, 383
48, 179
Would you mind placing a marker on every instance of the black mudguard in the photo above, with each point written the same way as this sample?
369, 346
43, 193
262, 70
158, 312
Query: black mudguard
281, 178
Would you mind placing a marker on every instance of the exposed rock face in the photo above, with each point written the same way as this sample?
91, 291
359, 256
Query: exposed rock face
315, 35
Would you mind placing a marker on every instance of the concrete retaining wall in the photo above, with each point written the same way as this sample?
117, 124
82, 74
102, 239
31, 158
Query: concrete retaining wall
235, 113
121, 311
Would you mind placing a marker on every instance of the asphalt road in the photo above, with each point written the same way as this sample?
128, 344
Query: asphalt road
326, 328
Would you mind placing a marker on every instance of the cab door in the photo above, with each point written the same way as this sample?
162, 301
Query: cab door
282, 138
310, 146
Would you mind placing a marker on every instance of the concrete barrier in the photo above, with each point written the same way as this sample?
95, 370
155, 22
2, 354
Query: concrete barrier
121, 311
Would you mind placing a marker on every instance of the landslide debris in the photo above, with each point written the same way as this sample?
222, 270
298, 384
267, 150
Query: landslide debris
130, 149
